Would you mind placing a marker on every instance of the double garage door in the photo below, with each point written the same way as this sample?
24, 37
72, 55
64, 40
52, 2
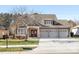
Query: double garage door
54, 33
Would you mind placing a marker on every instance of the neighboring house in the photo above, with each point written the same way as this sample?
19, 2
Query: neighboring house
38, 25
66, 22
75, 30
3, 31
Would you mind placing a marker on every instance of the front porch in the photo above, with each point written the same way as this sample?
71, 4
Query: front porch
27, 32
33, 31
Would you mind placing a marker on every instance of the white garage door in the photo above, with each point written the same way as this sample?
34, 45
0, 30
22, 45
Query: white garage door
48, 33
44, 34
54, 33
63, 33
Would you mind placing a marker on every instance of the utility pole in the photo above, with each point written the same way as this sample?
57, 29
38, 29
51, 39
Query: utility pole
6, 38
6, 42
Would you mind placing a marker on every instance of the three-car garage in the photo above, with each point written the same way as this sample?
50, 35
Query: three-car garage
54, 32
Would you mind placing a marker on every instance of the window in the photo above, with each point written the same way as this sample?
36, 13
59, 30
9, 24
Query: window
52, 22
48, 21
21, 31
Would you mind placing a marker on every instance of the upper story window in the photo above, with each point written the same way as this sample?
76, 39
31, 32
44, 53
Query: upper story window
48, 22
51, 22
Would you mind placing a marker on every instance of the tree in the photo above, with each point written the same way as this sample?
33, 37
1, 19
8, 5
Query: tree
19, 10
6, 20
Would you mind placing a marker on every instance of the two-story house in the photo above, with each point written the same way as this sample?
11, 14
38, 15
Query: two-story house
38, 25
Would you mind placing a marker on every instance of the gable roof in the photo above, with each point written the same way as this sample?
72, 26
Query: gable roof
45, 16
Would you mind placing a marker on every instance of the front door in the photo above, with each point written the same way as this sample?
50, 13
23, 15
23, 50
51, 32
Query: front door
34, 33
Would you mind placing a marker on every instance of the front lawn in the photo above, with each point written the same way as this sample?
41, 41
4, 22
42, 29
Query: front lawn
10, 49
19, 42
14, 49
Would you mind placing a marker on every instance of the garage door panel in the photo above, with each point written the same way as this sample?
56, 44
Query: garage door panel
44, 34
63, 33
53, 34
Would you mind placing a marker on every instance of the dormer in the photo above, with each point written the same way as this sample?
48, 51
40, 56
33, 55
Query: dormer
51, 22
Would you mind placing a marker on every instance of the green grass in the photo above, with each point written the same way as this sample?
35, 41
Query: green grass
19, 42
14, 49
10, 49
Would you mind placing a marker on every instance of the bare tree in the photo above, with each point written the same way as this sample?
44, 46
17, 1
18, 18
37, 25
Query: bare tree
22, 11
6, 17
19, 10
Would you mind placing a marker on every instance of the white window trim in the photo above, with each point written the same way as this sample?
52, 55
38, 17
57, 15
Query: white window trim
21, 31
48, 22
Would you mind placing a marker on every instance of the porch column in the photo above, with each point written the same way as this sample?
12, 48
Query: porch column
27, 32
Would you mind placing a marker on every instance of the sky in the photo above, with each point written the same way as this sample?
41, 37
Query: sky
61, 11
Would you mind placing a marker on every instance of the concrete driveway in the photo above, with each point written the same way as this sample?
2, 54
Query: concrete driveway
66, 45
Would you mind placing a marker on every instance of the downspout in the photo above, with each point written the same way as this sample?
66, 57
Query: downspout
58, 33
69, 32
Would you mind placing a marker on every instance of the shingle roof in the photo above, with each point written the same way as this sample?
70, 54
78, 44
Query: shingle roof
45, 16
35, 20
60, 26
69, 23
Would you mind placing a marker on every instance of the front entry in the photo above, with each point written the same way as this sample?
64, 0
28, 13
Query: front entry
33, 33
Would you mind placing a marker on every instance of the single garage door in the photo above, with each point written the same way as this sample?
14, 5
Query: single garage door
48, 33
44, 34
53, 33
63, 33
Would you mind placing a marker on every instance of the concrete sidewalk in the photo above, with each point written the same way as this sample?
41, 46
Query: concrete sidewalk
59, 39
